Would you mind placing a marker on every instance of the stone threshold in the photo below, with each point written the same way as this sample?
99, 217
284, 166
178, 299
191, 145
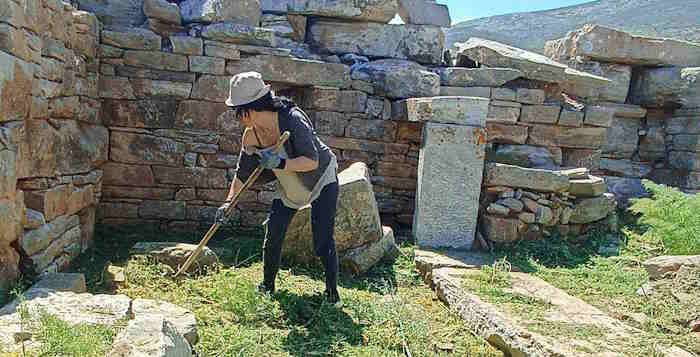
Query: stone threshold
445, 272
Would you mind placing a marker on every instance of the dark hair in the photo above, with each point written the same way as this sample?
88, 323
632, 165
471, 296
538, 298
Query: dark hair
267, 103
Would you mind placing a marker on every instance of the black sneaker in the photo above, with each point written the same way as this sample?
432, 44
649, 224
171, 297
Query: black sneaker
333, 298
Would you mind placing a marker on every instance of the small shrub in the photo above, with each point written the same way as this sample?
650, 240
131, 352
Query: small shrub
671, 217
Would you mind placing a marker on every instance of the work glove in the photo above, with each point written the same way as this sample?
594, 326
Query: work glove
221, 216
270, 160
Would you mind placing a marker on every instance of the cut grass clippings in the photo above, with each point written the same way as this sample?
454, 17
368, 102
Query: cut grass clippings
389, 312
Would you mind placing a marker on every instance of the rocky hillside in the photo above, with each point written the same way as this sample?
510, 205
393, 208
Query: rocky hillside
659, 18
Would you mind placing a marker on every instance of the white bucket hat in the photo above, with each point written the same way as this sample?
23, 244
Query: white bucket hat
245, 88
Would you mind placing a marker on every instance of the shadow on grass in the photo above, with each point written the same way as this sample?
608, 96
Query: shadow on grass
315, 326
234, 248
553, 252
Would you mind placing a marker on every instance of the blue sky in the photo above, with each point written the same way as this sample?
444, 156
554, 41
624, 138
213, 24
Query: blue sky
461, 10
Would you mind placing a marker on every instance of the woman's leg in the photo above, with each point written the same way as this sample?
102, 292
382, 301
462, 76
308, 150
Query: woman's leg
322, 226
280, 216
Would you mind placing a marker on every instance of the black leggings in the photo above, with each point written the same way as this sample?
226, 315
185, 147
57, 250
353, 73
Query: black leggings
322, 225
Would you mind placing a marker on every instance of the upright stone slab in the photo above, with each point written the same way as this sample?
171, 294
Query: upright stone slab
450, 170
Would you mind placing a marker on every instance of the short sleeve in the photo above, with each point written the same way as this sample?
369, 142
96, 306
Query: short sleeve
302, 139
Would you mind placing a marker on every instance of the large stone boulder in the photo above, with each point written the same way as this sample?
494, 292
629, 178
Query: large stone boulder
363, 11
359, 260
423, 44
399, 79
150, 336
293, 71
476, 77
660, 266
174, 254
589, 210
605, 44
245, 12
357, 220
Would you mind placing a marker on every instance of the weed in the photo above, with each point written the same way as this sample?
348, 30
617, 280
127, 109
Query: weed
57, 337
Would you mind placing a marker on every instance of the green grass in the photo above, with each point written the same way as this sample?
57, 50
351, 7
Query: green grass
384, 312
672, 218
648, 229
59, 338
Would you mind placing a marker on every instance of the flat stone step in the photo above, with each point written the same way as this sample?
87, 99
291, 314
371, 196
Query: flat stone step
593, 332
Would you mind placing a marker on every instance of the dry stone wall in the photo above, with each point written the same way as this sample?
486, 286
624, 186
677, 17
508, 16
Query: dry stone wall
52, 141
173, 144
657, 81
121, 108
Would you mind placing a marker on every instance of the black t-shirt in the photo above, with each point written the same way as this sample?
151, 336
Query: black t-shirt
303, 141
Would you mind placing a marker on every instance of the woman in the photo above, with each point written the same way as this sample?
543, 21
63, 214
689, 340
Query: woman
305, 169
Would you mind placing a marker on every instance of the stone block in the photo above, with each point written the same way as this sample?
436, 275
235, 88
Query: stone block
622, 138
192, 114
357, 218
36, 240
293, 71
589, 210
127, 175
359, 260
139, 114
502, 230
211, 88
667, 87
379, 40
116, 88
684, 160
222, 50
590, 187
134, 38
598, 115
498, 55
19, 43
211, 65
544, 114
156, 60
162, 210
369, 11
625, 188
574, 138
589, 159
62, 148
476, 77
627, 168
450, 165
447, 110
185, 45
620, 76
506, 134
245, 12
380, 130
609, 45
133, 148
192, 177
239, 34
483, 92
399, 79
162, 10
520, 177
503, 94
522, 155
16, 80
421, 12
333, 99
686, 142
683, 125
502, 114
154, 74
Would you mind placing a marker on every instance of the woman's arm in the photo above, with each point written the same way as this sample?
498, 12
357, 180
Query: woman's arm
303, 143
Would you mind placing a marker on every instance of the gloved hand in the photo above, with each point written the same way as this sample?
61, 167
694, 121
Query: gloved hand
221, 217
269, 159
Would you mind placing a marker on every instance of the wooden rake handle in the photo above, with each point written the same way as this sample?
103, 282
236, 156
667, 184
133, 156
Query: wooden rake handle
215, 227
